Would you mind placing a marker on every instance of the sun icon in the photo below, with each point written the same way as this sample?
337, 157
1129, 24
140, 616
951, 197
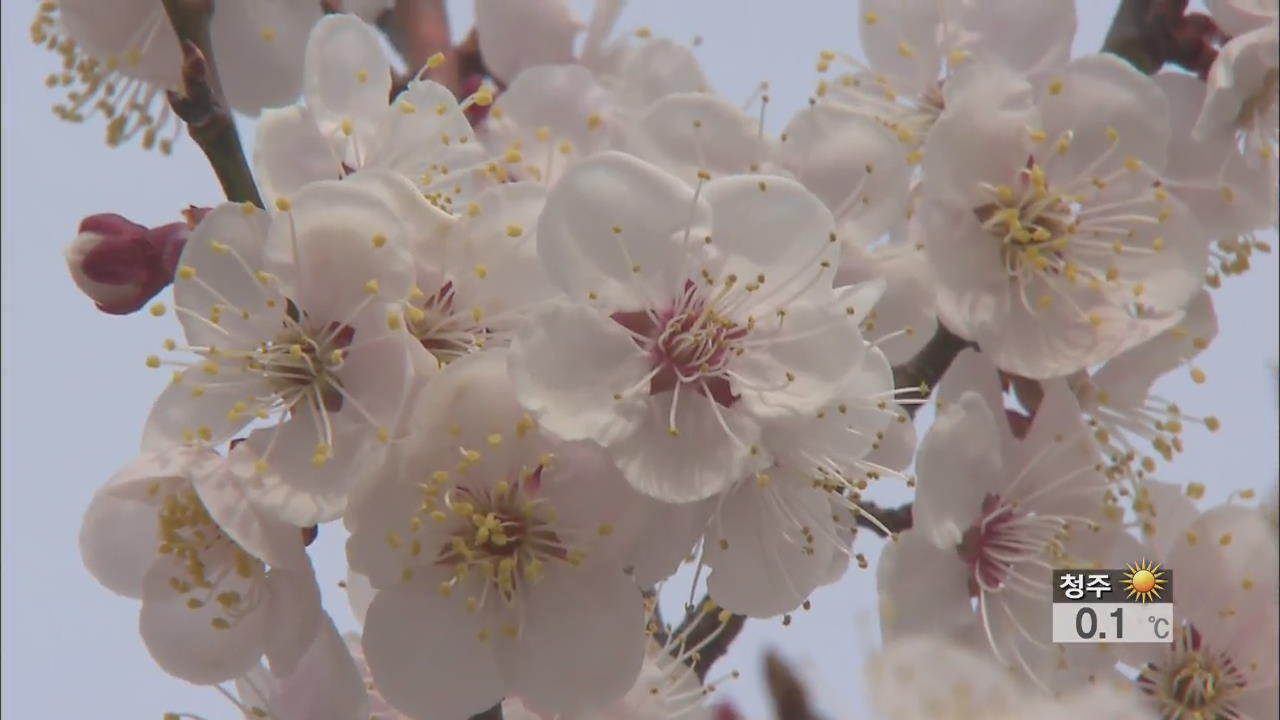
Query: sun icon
1145, 581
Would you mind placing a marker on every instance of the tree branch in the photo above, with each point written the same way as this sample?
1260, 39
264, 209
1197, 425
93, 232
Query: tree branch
896, 520
924, 370
201, 104
704, 622
418, 29
1150, 33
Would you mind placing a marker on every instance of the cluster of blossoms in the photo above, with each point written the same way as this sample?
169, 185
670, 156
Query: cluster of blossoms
538, 347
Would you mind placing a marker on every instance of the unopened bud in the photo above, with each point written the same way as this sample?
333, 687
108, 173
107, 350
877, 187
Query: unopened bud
120, 264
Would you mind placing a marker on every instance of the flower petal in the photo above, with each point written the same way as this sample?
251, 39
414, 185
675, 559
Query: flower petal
769, 547
775, 227
702, 459
182, 640
613, 228
347, 80
289, 152
425, 656
582, 643
514, 36
571, 391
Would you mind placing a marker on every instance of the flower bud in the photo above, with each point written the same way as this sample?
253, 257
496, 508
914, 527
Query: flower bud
120, 264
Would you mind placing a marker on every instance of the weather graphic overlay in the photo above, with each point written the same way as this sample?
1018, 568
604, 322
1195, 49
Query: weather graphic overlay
1130, 605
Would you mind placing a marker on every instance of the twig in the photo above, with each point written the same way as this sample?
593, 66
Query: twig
700, 626
493, 713
1150, 33
790, 699
418, 29
924, 370
896, 520
202, 105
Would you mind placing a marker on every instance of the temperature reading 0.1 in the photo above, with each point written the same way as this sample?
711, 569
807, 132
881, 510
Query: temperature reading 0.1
1120, 606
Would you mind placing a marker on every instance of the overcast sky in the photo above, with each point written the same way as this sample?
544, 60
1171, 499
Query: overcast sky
75, 389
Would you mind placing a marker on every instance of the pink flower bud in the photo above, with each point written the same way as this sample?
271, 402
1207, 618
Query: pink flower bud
120, 264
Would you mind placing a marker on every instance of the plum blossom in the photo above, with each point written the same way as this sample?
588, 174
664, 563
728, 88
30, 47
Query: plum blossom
498, 556
346, 123
932, 678
477, 274
1223, 189
777, 535
220, 583
294, 318
701, 320
1053, 244
118, 59
913, 47
1222, 661
552, 114
1121, 406
992, 516
326, 685
1242, 98
856, 166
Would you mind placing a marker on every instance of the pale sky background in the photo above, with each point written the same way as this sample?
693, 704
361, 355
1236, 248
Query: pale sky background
76, 392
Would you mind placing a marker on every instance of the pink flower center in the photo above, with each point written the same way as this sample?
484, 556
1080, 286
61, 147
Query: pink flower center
1195, 681
1002, 539
689, 344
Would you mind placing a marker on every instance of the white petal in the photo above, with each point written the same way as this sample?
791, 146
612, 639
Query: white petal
348, 78
1127, 378
982, 136
613, 226
772, 226
294, 489
902, 39
425, 655
223, 494
425, 137
118, 536
294, 617
657, 68
582, 642
688, 133
326, 684
259, 48
853, 163
324, 254
117, 29
289, 152
224, 252
923, 589
698, 462
190, 411
569, 390
958, 464
1030, 37
800, 364
181, 639
1100, 94
761, 562
514, 36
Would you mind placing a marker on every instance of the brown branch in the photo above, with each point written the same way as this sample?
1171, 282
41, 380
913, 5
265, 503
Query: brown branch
790, 699
924, 370
418, 29
895, 520
717, 628
201, 104
1151, 33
